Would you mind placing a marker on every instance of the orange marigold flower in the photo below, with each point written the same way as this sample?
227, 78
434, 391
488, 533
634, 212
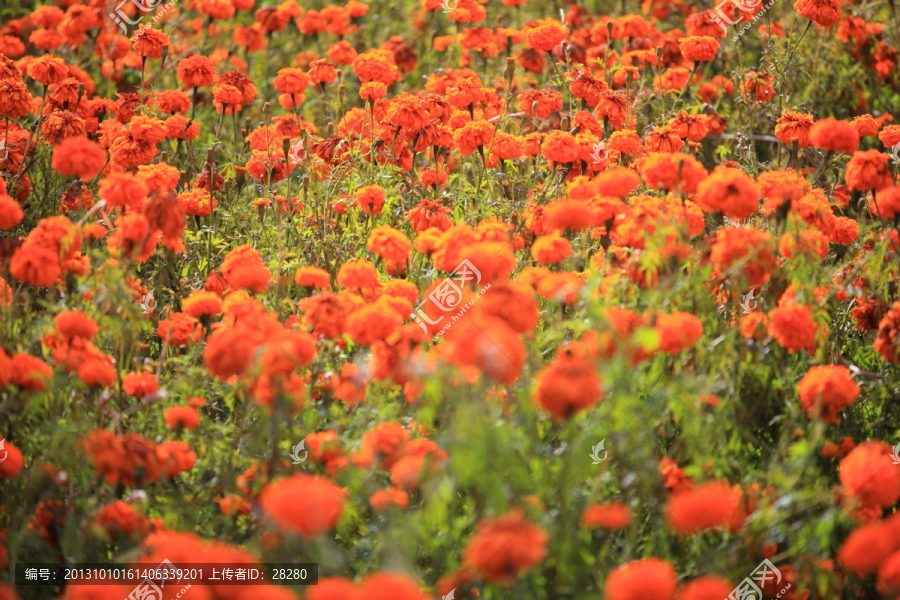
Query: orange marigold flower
678, 331
389, 243
129, 460
139, 385
672, 172
646, 579
887, 340
29, 372
664, 139
382, 500
560, 146
13, 461
473, 136
229, 351
372, 90
834, 136
746, 247
729, 191
568, 384
48, 69
121, 519
885, 204
370, 199
357, 274
672, 79
35, 264
372, 322
326, 313
428, 214
375, 65
792, 326
811, 243
698, 48
202, 303
196, 71
488, 343
867, 547
868, 170
78, 157
624, 141
179, 329
551, 249
689, 126
824, 13
322, 72
334, 588
291, 81
545, 34
175, 457
308, 505
227, 95
185, 417
181, 128
149, 42
74, 323
123, 189
312, 277
609, 515
504, 547
570, 215
869, 474
794, 127
244, 269
827, 390
706, 588
707, 506
390, 586
232, 504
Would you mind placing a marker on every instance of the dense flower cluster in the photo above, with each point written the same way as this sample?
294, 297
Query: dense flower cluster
452, 297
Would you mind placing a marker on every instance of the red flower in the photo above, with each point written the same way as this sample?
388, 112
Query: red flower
568, 384
308, 505
869, 474
827, 390
646, 579
610, 515
182, 416
139, 384
391, 586
678, 331
79, 157
705, 507
504, 547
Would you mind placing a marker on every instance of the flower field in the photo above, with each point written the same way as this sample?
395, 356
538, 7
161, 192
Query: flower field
496, 299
